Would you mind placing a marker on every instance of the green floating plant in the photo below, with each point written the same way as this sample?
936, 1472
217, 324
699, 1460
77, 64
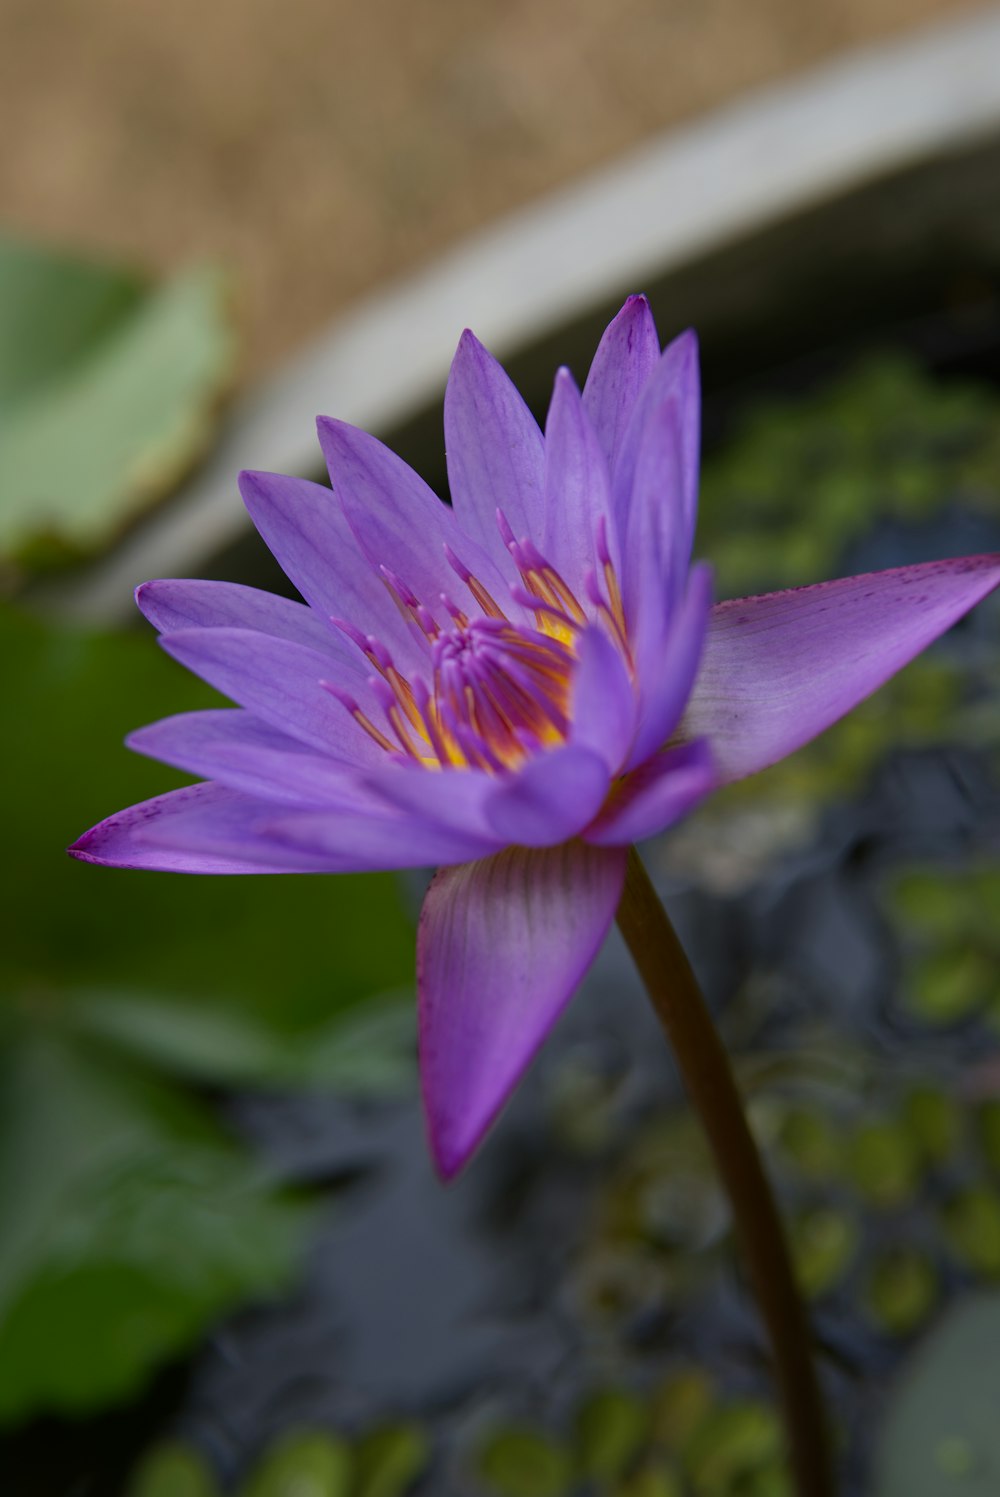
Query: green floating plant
947, 923
824, 1242
611, 1427
106, 1010
971, 1221
172, 1469
388, 1459
901, 1290
303, 1463
883, 440
522, 1462
109, 391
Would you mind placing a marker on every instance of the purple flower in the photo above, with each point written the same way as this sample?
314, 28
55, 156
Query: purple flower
516, 688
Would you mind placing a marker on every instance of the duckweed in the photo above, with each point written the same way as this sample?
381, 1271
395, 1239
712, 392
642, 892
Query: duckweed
172, 1470
972, 1226
901, 1291
884, 1162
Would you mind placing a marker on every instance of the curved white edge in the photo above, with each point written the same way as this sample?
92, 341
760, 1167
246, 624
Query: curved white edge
690, 190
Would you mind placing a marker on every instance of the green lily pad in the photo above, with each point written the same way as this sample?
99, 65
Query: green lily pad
516, 1462
654, 1480
610, 1428
109, 391
942, 1436
901, 1291
734, 1446
303, 1464
191, 974
884, 1162
935, 1121
824, 1243
172, 1470
130, 1220
389, 1459
972, 1226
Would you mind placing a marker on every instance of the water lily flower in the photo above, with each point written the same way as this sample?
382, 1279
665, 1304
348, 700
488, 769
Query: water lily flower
514, 688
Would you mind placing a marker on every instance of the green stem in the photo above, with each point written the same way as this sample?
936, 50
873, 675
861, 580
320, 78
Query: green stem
708, 1078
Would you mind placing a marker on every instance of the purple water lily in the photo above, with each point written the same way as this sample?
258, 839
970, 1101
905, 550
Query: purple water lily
516, 688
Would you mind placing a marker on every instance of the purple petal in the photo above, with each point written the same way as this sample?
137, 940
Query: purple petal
172, 604
238, 750
363, 843
212, 827
279, 682
454, 798
656, 489
398, 522
496, 457
656, 795
501, 948
577, 488
304, 526
623, 364
780, 668
550, 799
604, 705
667, 664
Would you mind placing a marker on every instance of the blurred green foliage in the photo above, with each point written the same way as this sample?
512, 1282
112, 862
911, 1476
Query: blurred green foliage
384, 1461
947, 922
802, 479
109, 391
128, 1217
796, 484
683, 1437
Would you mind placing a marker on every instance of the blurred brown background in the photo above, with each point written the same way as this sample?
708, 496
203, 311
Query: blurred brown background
318, 147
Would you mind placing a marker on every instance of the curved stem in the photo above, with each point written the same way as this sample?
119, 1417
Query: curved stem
708, 1078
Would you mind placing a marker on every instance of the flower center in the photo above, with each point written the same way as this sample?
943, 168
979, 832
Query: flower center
496, 690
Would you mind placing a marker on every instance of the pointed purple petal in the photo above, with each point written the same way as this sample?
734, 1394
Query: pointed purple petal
623, 365
399, 522
304, 526
280, 682
501, 948
780, 668
667, 666
656, 490
212, 828
455, 798
656, 795
550, 799
239, 750
577, 488
362, 843
604, 704
495, 451
172, 604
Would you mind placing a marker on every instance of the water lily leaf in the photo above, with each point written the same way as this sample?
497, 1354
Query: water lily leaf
129, 1220
109, 391
517, 1462
610, 1428
172, 1470
369, 1048
303, 1464
54, 308
389, 1459
271, 977
941, 1437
